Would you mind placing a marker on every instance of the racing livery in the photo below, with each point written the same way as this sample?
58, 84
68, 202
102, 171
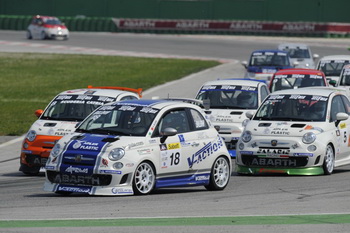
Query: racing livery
264, 63
60, 118
229, 100
136, 146
298, 132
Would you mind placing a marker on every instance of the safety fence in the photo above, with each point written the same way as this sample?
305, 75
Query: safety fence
235, 27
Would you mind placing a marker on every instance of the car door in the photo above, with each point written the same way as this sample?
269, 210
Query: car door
338, 105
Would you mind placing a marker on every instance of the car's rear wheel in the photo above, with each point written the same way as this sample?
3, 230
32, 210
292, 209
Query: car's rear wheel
144, 179
29, 35
329, 160
220, 174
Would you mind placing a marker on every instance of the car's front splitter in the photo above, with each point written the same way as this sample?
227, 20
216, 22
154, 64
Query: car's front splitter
289, 171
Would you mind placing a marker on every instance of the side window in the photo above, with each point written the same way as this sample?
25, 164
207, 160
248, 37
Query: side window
199, 122
337, 106
347, 104
176, 119
263, 92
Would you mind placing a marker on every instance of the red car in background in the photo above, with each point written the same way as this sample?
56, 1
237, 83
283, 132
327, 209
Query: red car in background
296, 78
47, 27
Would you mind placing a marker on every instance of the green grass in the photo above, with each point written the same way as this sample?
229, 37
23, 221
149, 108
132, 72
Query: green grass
29, 81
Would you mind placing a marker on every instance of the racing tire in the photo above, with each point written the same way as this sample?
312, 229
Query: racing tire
144, 179
29, 35
329, 160
220, 174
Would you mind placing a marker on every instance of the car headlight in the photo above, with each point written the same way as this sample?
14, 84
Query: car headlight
116, 154
309, 137
31, 135
246, 136
56, 150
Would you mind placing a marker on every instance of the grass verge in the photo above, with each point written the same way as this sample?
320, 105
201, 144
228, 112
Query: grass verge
30, 80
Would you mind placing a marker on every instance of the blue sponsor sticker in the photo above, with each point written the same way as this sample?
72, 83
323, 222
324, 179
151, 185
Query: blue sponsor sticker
111, 172
303, 154
74, 189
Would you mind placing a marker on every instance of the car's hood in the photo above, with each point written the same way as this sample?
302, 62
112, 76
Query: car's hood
53, 128
285, 128
83, 150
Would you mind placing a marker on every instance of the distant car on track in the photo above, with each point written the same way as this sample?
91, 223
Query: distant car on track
300, 55
136, 146
332, 65
264, 63
344, 79
60, 118
301, 131
296, 78
229, 100
47, 27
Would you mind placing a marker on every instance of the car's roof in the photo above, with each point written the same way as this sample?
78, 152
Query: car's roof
236, 82
299, 71
321, 91
336, 57
157, 103
98, 92
269, 50
293, 45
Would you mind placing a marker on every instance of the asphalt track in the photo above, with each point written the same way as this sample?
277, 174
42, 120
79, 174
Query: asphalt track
249, 204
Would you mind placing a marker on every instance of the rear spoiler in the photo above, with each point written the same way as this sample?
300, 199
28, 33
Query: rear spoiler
137, 91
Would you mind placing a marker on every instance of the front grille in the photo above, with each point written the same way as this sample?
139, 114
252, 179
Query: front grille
256, 161
94, 180
35, 160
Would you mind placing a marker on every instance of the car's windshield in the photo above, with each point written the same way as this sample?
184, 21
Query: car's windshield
293, 108
119, 119
73, 107
230, 96
269, 59
293, 81
52, 21
332, 67
298, 52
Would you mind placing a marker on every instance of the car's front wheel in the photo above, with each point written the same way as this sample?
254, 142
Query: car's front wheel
329, 160
220, 174
144, 179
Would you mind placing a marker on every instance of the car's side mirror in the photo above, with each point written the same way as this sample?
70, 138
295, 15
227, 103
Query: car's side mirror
295, 64
249, 115
206, 104
166, 133
245, 64
315, 56
38, 112
341, 116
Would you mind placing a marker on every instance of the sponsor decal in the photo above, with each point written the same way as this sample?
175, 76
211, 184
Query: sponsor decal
205, 152
122, 191
50, 167
342, 125
274, 162
279, 131
273, 151
173, 146
62, 132
131, 145
74, 189
144, 151
163, 147
202, 177
104, 162
303, 154
310, 127
72, 170
74, 179
246, 152
27, 151
110, 172
84, 145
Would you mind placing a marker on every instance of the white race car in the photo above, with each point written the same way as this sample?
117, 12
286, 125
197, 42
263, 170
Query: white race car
301, 131
136, 146
332, 66
344, 79
47, 27
300, 55
229, 100
60, 118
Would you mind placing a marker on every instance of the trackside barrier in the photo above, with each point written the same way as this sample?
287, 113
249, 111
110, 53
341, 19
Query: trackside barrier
234, 27
99, 24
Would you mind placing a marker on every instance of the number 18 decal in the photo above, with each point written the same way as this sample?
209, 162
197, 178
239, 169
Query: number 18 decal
171, 157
